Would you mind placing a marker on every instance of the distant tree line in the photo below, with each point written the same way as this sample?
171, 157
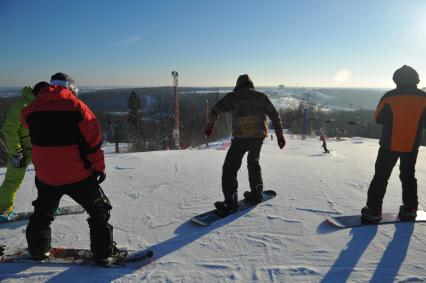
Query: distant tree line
145, 117
149, 120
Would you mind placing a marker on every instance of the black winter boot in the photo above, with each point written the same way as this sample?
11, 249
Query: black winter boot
255, 195
115, 256
228, 206
407, 213
40, 254
371, 215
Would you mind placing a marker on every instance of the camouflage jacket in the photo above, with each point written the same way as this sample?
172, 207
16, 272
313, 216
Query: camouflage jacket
249, 110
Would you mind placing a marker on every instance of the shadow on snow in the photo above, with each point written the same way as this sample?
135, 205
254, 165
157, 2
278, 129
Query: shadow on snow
185, 234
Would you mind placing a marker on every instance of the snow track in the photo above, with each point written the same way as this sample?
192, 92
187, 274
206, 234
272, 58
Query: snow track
286, 239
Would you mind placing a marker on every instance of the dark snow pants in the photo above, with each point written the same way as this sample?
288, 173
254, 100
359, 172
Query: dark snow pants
385, 162
233, 162
324, 145
89, 195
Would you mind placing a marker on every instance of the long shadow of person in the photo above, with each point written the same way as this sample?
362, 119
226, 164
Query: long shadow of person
188, 232
185, 234
395, 254
349, 257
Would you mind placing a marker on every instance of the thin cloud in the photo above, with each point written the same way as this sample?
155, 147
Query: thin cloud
342, 76
127, 41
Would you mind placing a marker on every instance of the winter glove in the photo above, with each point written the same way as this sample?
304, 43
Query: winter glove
17, 159
208, 131
99, 176
281, 141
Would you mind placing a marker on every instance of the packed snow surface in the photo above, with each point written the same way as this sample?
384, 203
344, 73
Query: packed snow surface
286, 239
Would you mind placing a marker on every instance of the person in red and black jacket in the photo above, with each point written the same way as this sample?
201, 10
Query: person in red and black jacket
68, 159
402, 112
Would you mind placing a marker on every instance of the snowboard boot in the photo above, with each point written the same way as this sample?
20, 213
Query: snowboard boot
39, 254
228, 206
371, 215
407, 213
6, 214
253, 197
115, 257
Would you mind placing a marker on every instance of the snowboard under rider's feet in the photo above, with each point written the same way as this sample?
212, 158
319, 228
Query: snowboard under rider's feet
407, 213
371, 215
224, 207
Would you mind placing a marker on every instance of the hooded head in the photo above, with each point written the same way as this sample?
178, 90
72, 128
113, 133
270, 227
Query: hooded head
406, 76
244, 81
38, 86
62, 79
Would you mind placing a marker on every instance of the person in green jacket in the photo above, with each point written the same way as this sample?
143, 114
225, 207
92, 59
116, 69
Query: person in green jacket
19, 149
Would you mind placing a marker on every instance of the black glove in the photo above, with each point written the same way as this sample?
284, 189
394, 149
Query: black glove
281, 141
99, 176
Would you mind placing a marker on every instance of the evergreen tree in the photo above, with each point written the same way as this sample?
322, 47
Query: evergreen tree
135, 117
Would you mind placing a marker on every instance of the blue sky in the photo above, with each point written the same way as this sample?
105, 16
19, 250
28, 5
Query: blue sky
327, 43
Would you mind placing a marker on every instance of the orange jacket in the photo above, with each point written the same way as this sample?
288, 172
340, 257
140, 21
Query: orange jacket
66, 137
402, 112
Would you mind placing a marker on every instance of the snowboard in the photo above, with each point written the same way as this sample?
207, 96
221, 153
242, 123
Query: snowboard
18, 216
71, 256
348, 221
207, 218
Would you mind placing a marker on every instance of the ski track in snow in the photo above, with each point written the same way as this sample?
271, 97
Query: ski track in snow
286, 239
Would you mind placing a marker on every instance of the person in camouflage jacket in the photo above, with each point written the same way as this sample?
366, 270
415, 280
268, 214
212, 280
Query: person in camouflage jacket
249, 109
19, 149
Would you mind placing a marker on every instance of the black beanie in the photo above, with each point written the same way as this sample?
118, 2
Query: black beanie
406, 76
38, 86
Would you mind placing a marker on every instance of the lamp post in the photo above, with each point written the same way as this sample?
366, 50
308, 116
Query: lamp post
176, 134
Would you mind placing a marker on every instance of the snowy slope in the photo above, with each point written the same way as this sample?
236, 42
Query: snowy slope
286, 239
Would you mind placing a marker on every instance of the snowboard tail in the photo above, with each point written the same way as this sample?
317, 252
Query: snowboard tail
66, 210
348, 221
212, 216
71, 256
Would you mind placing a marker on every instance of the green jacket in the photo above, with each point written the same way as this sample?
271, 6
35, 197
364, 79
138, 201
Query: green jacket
249, 110
15, 134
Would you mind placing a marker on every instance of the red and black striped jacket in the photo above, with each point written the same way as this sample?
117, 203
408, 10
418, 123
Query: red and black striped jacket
402, 112
66, 137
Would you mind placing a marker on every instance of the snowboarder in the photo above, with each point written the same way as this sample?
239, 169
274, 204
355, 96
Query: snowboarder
19, 150
324, 144
402, 112
249, 110
68, 158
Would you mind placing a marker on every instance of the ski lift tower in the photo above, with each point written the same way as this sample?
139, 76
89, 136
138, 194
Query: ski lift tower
176, 135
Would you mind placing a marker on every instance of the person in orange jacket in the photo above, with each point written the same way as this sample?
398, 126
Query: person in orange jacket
402, 113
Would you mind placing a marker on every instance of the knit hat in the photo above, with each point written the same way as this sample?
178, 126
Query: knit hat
64, 80
406, 76
244, 81
38, 86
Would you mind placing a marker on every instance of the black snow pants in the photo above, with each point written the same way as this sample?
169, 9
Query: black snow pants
232, 164
89, 195
385, 162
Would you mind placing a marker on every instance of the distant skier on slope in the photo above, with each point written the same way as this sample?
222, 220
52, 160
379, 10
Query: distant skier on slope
249, 110
68, 158
402, 112
19, 150
324, 144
